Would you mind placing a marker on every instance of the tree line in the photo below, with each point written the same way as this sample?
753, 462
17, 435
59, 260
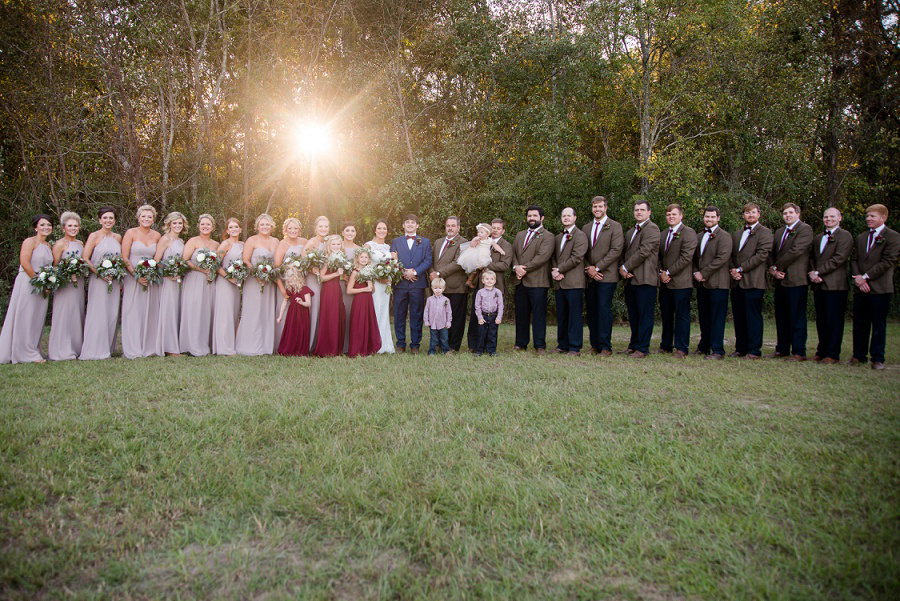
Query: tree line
445, 107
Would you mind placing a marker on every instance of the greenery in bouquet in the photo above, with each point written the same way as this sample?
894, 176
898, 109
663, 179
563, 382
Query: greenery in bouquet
338, 260
293, 260
210, 261
111, 268
45, 281
314, 259
147, 268
366, 274
390, 269
71, 267
176, 267
266, 272
238, 271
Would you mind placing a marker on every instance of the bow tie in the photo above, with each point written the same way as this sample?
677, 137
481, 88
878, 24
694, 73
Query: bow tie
748, 227
410, 237
707, 230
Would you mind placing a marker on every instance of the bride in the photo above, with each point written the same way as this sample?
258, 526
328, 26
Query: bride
381, 251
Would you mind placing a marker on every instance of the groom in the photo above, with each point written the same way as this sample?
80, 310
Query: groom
414, 252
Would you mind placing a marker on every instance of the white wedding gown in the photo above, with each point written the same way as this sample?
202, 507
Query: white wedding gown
381, 298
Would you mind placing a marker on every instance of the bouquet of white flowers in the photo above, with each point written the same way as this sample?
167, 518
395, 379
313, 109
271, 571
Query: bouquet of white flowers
112, 267
45, 281
71, 267
147, 268
366, 274
208, 259
313, 260
266, 272
238, 271
176, 267
338, 260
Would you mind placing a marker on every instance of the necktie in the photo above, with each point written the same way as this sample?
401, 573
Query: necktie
669, 238
444, 247
871, 240
784, 236
527, 239
597, 228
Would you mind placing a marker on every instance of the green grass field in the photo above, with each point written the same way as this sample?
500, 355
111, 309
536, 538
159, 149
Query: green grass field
413, 477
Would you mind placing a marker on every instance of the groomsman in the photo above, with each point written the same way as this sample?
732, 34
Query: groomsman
711, 261
639, 270
531, 265
500, 264
788, 265
605, 242
414, 253
872, 268
676, 254
752, 245
444, 253
567, 271
828, 259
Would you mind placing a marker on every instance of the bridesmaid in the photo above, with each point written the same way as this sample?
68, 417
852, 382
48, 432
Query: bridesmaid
67, 322
256, 332
330, 340
198, 293
140, 300
381, 251
102, 317
348, 235
228, 293
321, 227
20, 340
364, 336
291, 244
170, 245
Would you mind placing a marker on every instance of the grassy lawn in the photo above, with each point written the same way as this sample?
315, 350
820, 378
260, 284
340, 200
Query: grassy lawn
451, 477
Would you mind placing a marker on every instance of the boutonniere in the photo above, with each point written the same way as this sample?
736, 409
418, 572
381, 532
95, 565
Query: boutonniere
879, 240
676, 235
568, 236
712, 236
418, 241
605, 226
830, 237
451, 243
790, 233
753, 231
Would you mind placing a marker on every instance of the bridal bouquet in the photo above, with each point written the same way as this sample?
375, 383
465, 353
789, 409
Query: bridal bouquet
266, 272
45, 281
390, 269
147, 268
175, 267
112, 267
72, 267
313, 260
238, 271
208, 259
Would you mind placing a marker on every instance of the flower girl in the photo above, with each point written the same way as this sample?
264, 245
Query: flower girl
295, 338
365, 338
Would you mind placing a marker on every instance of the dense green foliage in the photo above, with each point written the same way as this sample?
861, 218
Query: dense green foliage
443, 106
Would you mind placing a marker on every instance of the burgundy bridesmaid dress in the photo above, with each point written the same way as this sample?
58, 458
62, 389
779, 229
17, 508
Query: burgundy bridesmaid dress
295, 336
330, 335
365, 338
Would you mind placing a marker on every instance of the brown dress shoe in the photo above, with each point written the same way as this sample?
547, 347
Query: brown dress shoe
637, 355
854, 361
828, 361
775, 355
414, 351
736, 354
627, 351
679, 354
661, 351
518, 348
752, 357
541, 351
401, 349
797, 358
715, 356
557, 350
817, 358
605, 353
593, 351
877, 365
574, 353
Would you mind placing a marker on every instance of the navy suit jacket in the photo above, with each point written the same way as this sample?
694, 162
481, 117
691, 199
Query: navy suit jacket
419, 258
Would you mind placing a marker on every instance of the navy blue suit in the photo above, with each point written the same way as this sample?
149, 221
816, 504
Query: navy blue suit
410, 296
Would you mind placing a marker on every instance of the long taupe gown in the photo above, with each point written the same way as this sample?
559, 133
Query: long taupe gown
20, 340
170, 304
256, 332
228, 306
67, 322
348, 299
102, 316
197, 298
312, 281
140, 310
279, 326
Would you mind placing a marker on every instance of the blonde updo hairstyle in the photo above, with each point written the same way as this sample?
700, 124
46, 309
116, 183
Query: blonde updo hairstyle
207, 216
263, 216
287, 222
143, 208
67, 216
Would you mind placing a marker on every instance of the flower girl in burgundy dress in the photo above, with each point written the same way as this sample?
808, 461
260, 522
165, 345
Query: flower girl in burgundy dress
295, 337
364, 336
